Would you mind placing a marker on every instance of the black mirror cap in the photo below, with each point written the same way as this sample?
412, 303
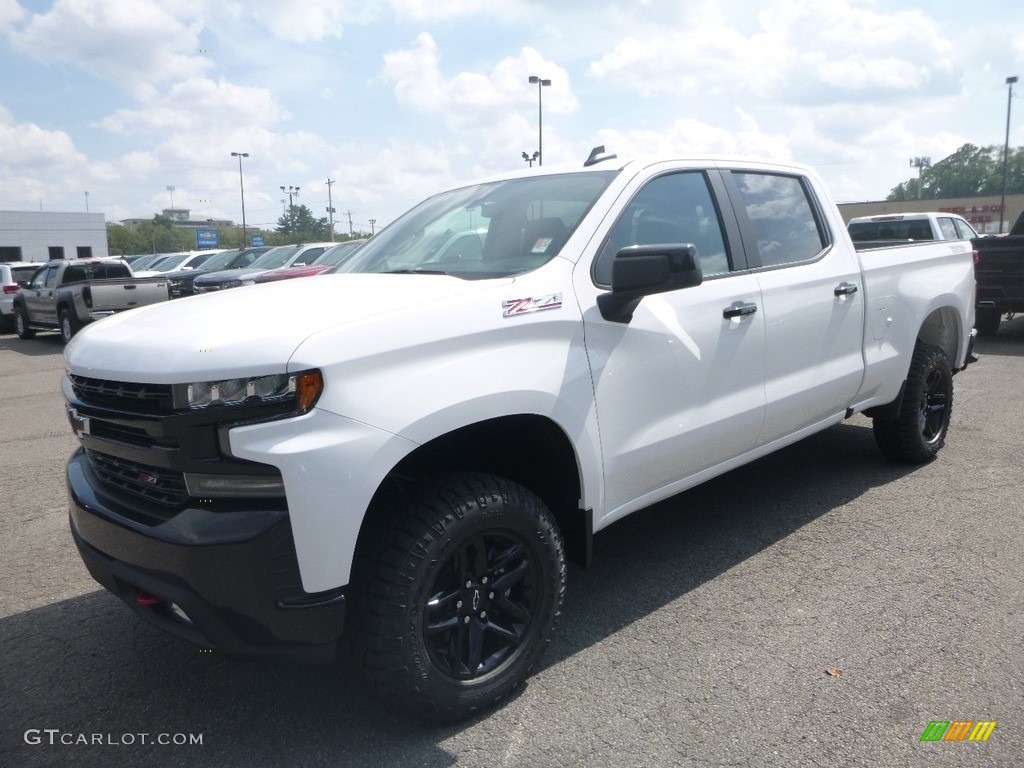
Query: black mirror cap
642, 270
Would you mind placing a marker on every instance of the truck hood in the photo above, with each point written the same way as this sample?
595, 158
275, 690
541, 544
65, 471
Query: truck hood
248, 331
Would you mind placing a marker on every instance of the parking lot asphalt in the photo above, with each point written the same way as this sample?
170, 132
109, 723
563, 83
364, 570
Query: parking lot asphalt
819, 607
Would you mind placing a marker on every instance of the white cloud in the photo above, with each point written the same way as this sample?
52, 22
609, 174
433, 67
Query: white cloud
136, 44
198, 102
836, 51
422, 11
473, 100
10, 12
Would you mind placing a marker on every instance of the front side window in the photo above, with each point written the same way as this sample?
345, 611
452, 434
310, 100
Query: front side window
948, 229
785, 223
964, 230
674, 209
497, 229
51, 276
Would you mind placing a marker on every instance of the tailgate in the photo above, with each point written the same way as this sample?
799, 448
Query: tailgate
127, 294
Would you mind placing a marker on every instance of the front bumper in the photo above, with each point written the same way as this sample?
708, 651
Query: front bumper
224, 580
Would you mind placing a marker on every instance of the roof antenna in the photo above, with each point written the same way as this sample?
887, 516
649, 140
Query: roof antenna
598, 155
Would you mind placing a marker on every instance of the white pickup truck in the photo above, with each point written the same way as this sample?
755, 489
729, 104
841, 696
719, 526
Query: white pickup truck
398, 460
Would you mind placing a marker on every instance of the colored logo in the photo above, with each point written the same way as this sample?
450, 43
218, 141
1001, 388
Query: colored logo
958, 730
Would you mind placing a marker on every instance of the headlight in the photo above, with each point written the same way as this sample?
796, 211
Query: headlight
304, 387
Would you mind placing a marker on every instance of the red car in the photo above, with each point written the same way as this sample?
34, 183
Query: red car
332, 257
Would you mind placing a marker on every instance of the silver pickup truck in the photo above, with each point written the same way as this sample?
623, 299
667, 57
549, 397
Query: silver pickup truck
66, 295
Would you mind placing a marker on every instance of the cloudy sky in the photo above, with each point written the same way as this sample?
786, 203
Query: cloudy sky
397, 99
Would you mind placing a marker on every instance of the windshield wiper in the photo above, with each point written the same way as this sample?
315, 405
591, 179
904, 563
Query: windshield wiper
414, 272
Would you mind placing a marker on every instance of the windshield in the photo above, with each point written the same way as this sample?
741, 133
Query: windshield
219, 261
338, 253
890, 229
171, 263
275, 257
140, 264
489, 230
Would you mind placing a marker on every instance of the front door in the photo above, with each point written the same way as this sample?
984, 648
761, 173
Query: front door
680, 388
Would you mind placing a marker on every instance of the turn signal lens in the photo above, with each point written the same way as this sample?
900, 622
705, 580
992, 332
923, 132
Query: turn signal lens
308, 387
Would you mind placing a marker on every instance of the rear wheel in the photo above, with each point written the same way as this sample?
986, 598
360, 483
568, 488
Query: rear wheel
21, 325
68, 326
987, 321
455, 599
919, 431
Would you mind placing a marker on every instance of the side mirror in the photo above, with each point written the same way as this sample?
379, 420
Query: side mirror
642, 270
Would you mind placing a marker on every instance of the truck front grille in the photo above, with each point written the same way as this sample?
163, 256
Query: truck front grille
124, 396
160, 486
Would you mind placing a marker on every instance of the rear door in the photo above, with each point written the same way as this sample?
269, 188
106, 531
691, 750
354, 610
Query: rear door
679, 388
812, 298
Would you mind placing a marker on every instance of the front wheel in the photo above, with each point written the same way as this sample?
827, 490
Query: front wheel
21, 325
919, 431
454, 600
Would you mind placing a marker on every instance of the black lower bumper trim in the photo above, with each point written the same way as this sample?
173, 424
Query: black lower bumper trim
216, 591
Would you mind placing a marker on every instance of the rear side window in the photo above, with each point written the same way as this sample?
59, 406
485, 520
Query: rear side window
786, 225
77, 273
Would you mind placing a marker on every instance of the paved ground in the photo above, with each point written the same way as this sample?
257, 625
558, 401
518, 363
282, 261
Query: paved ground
701, 637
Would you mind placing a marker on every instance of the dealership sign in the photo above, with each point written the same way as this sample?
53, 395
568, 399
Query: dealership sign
207, 238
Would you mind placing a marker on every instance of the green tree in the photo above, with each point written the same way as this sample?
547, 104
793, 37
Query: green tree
300, 226
969, 172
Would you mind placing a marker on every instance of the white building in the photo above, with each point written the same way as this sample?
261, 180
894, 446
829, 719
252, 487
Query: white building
40, 236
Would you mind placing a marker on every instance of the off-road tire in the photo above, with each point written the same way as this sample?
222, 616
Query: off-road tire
919, 431
987, 321
455, 594
21, 325
68, 325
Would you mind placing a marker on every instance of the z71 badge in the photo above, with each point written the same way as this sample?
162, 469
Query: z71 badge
515, 307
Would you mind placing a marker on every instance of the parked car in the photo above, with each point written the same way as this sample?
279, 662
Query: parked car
176, 262
325, 262
64, 295
10, 275
999, 270
142, 263
181, 283
275, 258
907, 227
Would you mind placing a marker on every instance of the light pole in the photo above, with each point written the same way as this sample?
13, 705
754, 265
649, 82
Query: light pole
87, 202
330, 206
1006, 147
171, 190
291, 192
920, 163
241, 188
372, 222
530, 159
540, 117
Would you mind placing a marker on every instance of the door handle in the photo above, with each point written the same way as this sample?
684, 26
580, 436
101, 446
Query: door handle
739, 310
845, 289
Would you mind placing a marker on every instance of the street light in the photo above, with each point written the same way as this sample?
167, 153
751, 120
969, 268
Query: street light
171, 190
372, 222
530, 159
241, 187
540, 118
291, 192
1006, 147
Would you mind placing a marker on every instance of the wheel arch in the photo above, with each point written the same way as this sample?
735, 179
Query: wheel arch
531, 450
943, 328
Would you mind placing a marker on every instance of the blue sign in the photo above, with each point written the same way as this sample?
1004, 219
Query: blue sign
207, 238
257, 241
